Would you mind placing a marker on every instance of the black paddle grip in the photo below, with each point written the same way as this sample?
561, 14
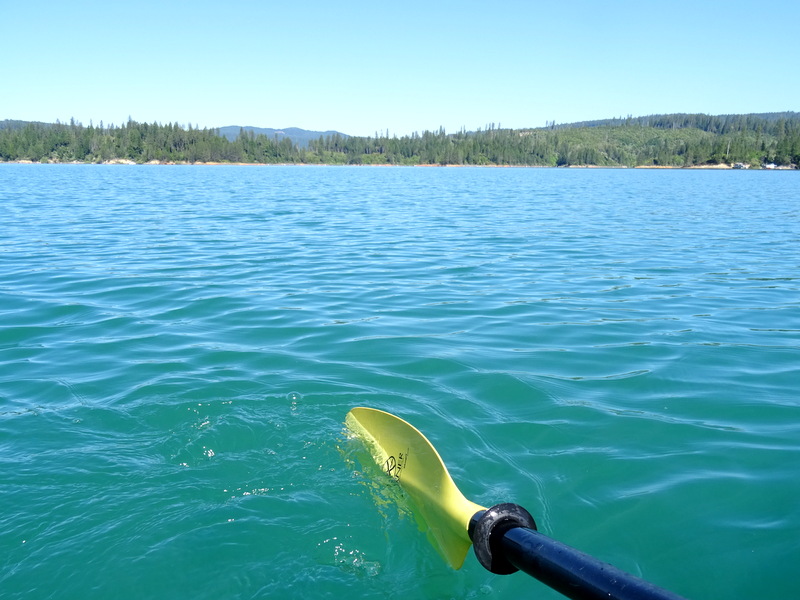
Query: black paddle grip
505, 541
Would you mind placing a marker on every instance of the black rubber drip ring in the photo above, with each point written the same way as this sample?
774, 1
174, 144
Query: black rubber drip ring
489, 530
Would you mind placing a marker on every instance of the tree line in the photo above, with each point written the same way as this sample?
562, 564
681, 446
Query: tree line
138, 142
679, 140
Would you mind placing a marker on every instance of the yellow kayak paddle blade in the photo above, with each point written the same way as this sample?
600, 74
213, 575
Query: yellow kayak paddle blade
408, 457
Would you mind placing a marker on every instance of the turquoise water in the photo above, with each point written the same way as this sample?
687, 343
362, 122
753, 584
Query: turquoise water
617, 351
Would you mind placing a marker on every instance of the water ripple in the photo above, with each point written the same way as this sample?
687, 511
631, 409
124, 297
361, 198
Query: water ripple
615, 350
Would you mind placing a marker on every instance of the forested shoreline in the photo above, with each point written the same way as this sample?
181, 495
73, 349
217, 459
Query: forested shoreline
655, 141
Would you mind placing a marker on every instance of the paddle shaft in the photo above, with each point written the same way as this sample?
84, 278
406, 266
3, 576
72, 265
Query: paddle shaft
573, 573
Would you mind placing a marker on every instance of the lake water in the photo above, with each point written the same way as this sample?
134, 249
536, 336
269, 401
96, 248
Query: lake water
616, 350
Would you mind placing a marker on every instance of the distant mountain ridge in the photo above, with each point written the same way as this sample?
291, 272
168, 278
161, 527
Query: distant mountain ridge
298, 136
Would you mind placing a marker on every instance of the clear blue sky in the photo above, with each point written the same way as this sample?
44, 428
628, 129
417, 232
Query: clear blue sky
369, 66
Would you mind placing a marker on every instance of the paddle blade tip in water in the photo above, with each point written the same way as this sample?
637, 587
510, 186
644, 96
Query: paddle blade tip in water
407, 456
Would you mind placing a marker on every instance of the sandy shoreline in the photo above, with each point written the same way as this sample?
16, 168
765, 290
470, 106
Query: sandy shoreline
123, 161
